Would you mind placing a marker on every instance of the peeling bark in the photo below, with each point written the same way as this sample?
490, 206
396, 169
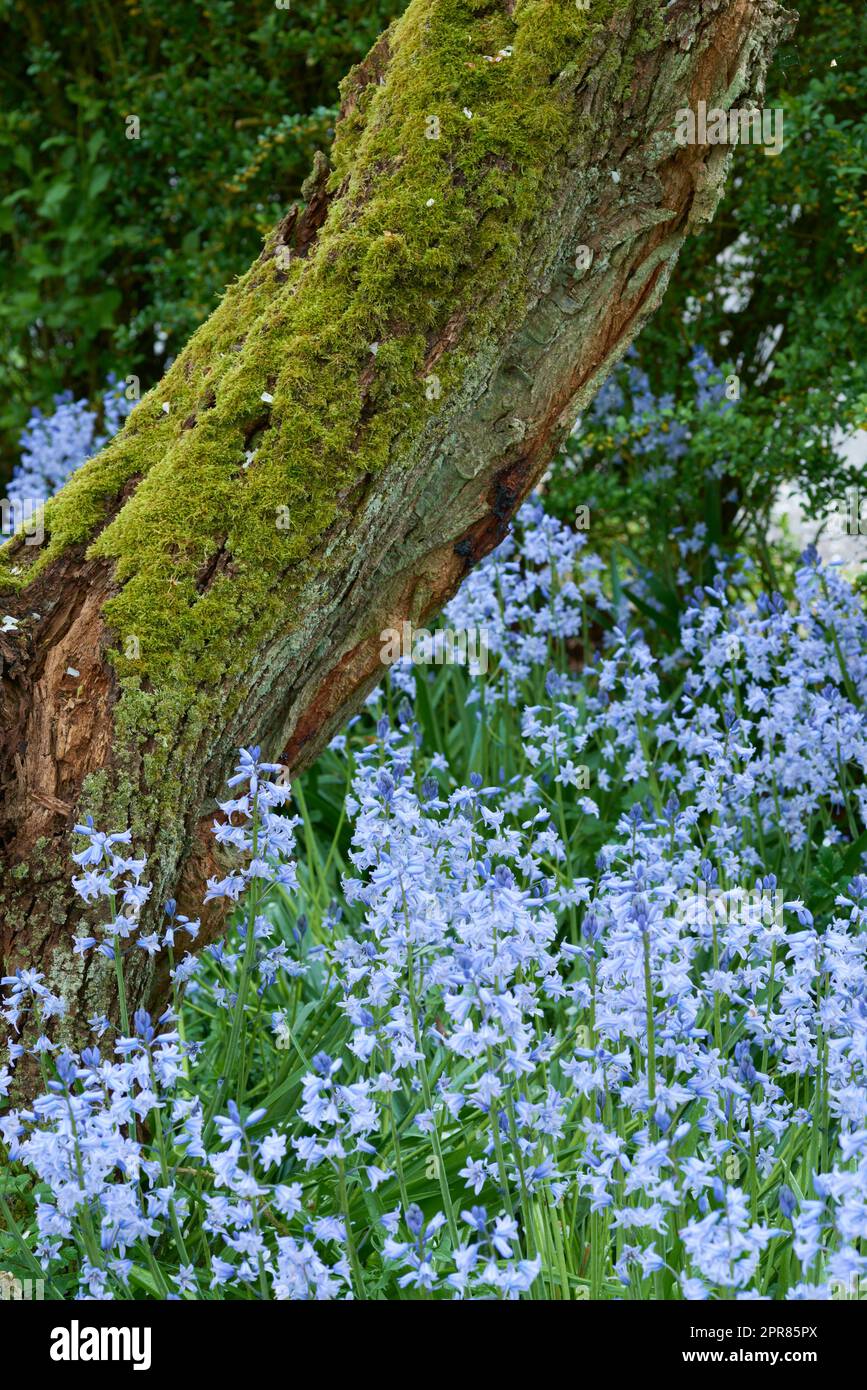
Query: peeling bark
408, 507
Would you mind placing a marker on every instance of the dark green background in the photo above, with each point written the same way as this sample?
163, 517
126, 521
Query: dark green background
107, 243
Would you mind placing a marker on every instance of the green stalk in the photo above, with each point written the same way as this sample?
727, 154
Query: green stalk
651, 1040
350, 1243
164, 1166
118, 973
243, 983
425, 1084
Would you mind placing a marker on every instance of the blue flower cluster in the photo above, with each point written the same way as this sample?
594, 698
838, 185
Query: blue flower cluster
54, 445
587, 1021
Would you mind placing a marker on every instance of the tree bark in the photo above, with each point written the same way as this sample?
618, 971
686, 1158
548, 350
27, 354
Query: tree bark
351, 430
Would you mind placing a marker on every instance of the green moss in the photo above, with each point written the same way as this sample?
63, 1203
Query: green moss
425, 231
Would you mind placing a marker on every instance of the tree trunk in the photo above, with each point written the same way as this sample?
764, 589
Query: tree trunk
353, 427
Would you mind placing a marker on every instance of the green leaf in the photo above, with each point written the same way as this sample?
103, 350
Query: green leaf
53, 199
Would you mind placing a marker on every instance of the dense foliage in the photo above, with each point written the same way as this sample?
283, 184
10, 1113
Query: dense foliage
112, 250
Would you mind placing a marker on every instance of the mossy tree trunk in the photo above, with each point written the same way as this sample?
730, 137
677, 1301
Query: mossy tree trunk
353, 427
